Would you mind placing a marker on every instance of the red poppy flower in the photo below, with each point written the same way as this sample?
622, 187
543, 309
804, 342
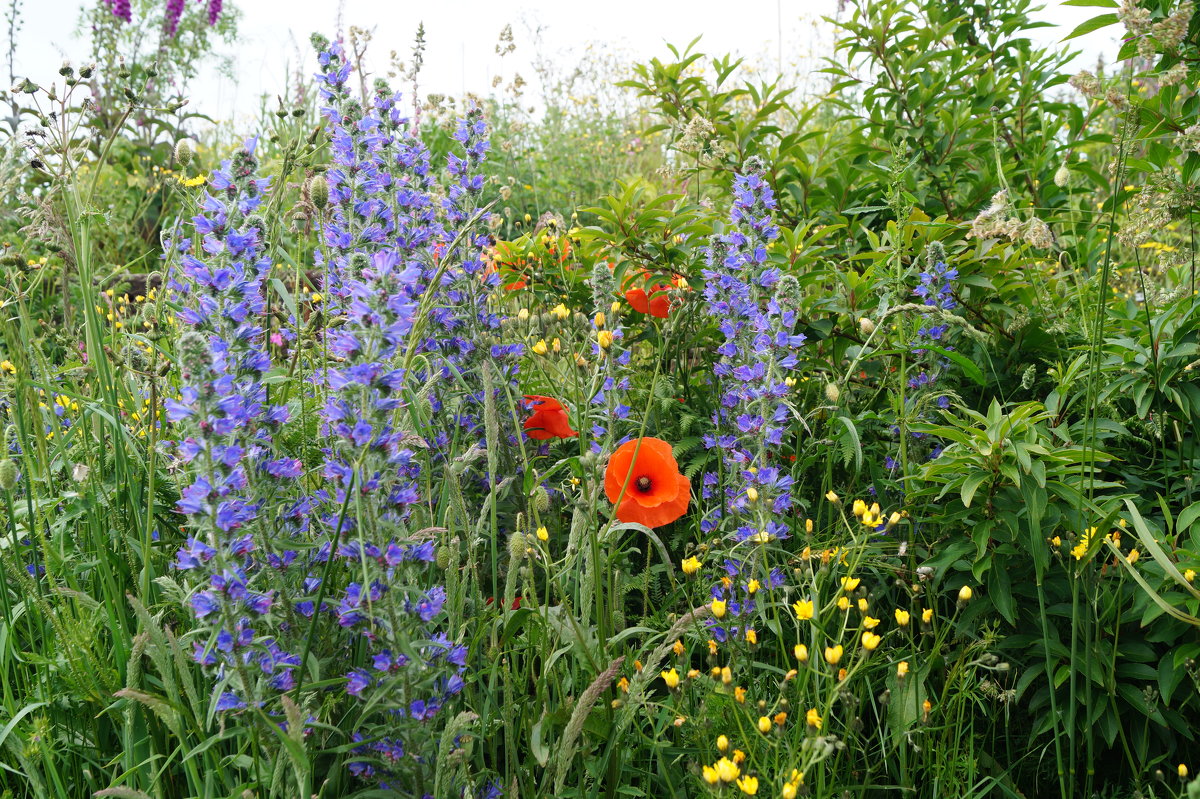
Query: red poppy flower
655, 491
659, 305
549, 419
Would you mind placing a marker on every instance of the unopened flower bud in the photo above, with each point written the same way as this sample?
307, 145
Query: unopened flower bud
866, 326
318, 191
832, 393
183, 152
1062, 177
8, 474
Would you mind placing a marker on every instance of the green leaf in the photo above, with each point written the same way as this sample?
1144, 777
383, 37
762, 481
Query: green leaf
1091, 3
966, 364
1093, 24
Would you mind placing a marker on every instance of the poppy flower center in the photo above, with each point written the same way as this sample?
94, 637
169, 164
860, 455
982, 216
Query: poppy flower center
643, 484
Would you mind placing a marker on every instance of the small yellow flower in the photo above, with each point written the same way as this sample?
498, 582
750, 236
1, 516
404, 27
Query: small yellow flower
902, 669
739, 693
862, 604
808, 525
710, 775
780, 718
965, 593
192, 183
870, 641
833, 654
543, 534
677, 647
722, 744
1189, 575
843, 603
1182, 771
788, 791
832, 497
751, 637
623, 684
858, 509
813, 718
801, 653
850, 583
927, 615
752, 494
671, 678
803, 608
605, 339
693, 673
540, 348
560, 311
7, 366
1056, 542
712, 647
727, 770
764, 724
316, 296
726, 675
902, 617
718, 608
749, 785
870, 623
752, 587
600, 320
690, 566
556, 345
1134, 555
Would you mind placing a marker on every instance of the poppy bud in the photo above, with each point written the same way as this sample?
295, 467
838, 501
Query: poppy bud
318, 192
8, 474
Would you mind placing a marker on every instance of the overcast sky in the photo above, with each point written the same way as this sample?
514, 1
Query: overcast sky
461, 36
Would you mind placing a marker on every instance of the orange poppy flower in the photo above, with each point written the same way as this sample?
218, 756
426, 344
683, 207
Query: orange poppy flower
549, 419
655, 491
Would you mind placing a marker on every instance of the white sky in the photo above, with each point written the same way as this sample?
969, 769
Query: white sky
461, 36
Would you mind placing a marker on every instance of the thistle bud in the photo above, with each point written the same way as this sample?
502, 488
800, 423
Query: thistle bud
8, 474
183, 152
66, 70
87, 71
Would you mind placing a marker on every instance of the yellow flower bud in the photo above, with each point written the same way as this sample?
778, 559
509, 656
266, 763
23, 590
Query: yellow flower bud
764, 725
722, 744
718, 608
870, 641
523, 314
543, 534
540, 347
965, 593
833, 654
902, 670
752, 494
605, 339
801, 653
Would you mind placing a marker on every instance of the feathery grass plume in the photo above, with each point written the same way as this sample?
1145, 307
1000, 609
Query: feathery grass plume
583, 707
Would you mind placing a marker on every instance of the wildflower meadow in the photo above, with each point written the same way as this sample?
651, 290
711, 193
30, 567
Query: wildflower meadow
671, 425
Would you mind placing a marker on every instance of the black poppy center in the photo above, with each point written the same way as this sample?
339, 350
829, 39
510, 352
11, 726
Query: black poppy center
643, 484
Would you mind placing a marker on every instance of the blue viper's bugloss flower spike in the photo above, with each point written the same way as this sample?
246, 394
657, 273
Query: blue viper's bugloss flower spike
755, 310
227, 426
384, 253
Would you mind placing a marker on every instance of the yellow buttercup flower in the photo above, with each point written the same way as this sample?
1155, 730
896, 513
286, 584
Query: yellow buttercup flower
927, 615
671, 678
833, 654
543, 534
718, 608
690, 566
540, 347
862, 604
803, 608
870, 641
850, 583
902, 617
813, 718
870, 623
843, 603
752, 587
